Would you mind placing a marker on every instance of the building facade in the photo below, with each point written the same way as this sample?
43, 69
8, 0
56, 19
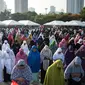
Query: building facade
21, 6
52, 9
3, 6
31, 9
74, 6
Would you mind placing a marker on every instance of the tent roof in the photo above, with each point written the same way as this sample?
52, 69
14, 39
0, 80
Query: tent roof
55, 23
2, 24
74, 23
11, 22
28, 22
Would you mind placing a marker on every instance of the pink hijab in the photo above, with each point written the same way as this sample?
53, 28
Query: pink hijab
21, 55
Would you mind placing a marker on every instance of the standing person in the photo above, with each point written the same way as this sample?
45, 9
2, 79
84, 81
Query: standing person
55, 74
10, 39
16, 47
46, 60
59, 55
74, 72
21, 55
79, 44
1, 65
8, 63
21, 73
4, 37
81, 53
24, 46
53, 44
69, 55
34, 62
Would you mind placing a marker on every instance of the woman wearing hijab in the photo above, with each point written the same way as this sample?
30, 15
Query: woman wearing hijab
16, 47
81, 53
79, 44
5, 45
24, 46
8, 63
63, 45
21, 55
10, 39
21, 73
34, 62
59, 55
55, 74
69, 55
53, 44
46, 60
1, 66
74, 72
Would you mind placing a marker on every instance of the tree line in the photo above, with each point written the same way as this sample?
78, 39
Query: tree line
42, 18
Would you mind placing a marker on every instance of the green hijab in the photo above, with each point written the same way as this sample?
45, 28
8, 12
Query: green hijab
55, 74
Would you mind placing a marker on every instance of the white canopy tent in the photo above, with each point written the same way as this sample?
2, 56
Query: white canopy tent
54, 23
74, 23
28, 23
2, 24
11, 23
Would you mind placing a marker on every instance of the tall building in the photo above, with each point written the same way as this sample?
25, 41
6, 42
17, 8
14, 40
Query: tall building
21, 6
3, 5
31, 9
52, 9
74, 6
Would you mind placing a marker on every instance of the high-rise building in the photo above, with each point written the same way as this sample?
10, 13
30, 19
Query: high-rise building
21, 6
74, 6
3, 5
52, 9
31, 9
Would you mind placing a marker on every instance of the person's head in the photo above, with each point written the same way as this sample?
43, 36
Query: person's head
59, 64
77, 61
16, 41
21, 64
5, 42
21, 51
34, 48
59, 55
80, 41
24, 42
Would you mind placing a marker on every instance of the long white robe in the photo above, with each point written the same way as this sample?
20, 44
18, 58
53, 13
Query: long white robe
25, 48
1, 66
8, 61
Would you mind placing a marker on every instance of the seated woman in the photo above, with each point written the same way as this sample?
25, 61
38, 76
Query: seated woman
21, 73
74, 72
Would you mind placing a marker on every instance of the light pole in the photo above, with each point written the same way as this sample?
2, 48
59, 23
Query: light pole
46, 10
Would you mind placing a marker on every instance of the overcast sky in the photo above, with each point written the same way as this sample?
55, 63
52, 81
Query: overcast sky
40, 5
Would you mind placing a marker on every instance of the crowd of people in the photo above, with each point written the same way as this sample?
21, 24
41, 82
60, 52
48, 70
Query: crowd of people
51, 56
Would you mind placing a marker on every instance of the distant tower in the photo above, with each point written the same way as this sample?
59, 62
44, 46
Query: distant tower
52, 9
74, 6
46, 10
31, 9
21, 6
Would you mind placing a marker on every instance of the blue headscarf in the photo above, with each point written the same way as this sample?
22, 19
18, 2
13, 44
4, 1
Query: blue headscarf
34, 59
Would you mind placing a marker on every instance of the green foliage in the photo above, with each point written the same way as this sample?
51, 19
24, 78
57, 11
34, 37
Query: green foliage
82, 13
5, 15
40, 18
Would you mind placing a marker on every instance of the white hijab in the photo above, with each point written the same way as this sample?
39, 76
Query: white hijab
24, 46
5, 45
57, 56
